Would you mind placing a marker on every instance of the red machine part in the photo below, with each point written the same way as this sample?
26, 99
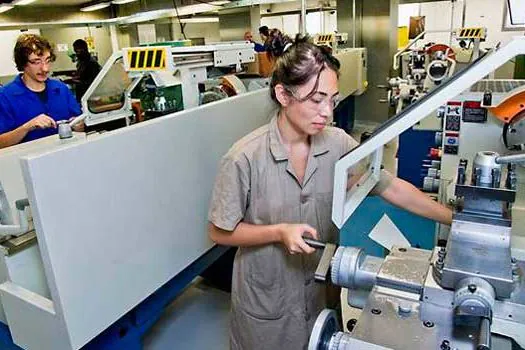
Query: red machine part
441, 47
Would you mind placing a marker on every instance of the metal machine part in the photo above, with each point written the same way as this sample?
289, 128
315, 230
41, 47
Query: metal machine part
453, 297
514, 133
345, 202
109, 96
412, 304
474, 296
11, 245
65, 130
324, 264
353, 269
423, 69
487, 173
325, 326
470, 124
23, 222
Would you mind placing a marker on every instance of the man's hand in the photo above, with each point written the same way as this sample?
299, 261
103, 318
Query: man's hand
79, 127
292, 238
41, 121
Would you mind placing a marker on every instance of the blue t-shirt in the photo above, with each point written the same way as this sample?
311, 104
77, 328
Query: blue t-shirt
19, 105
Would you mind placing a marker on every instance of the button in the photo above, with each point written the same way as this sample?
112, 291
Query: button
307, 316
304, 199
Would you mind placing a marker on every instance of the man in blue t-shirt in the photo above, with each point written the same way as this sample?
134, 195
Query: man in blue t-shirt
32, 104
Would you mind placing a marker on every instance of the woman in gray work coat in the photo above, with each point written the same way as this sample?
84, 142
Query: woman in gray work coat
274, 186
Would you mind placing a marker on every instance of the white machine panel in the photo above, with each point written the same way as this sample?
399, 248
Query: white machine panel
120, 215
10, 172
353, 72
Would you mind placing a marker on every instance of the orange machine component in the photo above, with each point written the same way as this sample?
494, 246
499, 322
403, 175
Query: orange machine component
509, 107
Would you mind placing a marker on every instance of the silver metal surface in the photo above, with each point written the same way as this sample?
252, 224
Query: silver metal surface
430, 317
479, 250
427, 319
399, 271
382, 324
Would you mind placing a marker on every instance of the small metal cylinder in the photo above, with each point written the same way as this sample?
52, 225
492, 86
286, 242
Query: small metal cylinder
483, 168
64, 130
484, 340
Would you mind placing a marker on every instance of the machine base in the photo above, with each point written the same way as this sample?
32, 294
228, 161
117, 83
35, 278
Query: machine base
127, 332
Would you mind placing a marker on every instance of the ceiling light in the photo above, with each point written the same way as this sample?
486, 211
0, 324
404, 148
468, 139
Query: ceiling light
23, 2
120, 2
220, 2
200, 20
95, 7
4, 8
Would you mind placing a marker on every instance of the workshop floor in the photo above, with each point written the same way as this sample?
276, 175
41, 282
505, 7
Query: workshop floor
198, 319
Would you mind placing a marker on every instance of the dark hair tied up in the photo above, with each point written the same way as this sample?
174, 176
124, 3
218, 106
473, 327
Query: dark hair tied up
299, 63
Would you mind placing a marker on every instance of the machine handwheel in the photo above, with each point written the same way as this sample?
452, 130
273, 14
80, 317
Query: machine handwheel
325, 327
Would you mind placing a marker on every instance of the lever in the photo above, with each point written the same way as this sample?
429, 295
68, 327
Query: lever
511, 158
314, 243
321, 273
484, 340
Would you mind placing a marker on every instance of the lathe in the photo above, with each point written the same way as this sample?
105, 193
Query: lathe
468, 294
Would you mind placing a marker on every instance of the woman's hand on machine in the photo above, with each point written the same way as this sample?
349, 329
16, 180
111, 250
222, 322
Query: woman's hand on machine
292, 238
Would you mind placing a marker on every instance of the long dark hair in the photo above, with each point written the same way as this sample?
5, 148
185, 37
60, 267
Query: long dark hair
297, 62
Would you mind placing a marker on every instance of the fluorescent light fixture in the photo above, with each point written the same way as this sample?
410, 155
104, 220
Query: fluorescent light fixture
95, 7
22, 2
4, 8
121, 2
200, 20
220, 2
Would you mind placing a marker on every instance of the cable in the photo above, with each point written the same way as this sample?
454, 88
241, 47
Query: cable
178, 19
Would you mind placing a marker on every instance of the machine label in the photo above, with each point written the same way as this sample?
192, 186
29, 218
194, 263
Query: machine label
453, 116
473, 112
451, 143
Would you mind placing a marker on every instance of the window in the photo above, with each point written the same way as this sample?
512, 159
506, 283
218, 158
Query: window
514, 15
